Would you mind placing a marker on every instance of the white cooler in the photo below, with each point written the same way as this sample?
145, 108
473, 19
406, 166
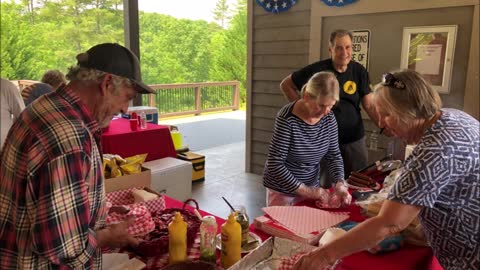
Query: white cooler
172, 177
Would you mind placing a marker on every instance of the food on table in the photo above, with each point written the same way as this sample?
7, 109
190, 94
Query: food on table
361, 180
140, 195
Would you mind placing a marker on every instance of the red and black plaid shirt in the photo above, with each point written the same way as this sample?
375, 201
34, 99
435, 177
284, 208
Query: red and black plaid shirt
52, 196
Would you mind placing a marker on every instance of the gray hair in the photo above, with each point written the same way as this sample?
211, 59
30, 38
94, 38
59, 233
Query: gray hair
323, 83
77, 73
339, 33
416, 100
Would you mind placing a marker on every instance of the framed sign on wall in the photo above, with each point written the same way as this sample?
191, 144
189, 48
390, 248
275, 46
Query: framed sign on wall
429, 50
361, 46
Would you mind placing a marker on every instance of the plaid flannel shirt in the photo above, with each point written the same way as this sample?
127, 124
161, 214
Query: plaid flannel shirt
52, 197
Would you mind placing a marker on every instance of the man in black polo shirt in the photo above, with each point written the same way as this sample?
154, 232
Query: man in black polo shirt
354, 89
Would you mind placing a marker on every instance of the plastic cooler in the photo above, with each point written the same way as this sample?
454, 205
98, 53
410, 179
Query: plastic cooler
150, 112
171, 176
198, 164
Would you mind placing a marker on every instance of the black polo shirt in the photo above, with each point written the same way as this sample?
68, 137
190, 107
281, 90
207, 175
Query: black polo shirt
354, 85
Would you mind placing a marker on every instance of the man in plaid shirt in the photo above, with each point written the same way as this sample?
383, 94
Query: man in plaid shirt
52, 196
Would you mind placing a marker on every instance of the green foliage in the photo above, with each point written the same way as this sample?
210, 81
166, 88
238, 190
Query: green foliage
221, 12
229, 51
37, 35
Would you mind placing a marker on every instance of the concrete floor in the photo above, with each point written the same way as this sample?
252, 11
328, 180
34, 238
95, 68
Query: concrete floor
221, 139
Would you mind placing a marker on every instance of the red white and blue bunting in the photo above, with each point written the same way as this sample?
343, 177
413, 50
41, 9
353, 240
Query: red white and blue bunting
338, 3
276, 6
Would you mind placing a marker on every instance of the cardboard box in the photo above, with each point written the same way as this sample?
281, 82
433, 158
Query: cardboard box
142, 179
274, 248
198, 164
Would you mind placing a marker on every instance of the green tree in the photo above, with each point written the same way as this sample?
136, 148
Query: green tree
229, 51
221, 12
48, 34
17, 49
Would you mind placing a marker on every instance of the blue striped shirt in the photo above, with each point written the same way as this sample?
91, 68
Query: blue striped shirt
296, 150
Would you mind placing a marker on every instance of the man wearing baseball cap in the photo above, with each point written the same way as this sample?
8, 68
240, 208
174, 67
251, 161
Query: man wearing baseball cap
52, 196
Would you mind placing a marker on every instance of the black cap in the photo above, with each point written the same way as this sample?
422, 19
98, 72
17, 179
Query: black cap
115, 59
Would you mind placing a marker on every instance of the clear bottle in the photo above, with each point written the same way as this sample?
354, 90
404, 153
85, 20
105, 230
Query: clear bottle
244, 221
208, 231
231, 242
143, 120
177, 240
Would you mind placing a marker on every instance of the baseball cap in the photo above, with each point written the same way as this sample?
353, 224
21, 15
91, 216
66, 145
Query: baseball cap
115, 59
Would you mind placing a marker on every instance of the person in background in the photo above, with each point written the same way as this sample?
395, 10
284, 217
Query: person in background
52, 210
12, 106
305, 133
440, 182
51, 80
354, 89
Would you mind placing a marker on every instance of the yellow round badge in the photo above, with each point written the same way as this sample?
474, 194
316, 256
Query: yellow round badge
350, 87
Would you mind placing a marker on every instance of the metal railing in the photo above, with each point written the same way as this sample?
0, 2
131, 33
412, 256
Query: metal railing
193, 98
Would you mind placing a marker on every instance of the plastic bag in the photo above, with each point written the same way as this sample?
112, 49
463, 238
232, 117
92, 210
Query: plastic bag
115, 165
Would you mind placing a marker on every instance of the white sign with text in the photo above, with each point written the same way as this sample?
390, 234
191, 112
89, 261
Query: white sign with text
361, 46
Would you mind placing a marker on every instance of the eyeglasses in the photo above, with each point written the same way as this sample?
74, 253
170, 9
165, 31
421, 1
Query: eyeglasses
390, 80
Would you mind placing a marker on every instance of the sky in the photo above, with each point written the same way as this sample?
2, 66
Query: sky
184, 9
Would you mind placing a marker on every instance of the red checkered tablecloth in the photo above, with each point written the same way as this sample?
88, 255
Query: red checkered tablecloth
125, 197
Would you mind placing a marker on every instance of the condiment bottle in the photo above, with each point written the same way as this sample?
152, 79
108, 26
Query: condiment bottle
177, 239
231, 242
208, 231
244, 221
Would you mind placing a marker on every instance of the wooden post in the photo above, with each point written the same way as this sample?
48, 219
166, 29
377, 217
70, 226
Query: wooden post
198, 101
151, 100
236, 95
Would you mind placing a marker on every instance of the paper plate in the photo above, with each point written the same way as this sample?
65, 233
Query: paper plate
245, 249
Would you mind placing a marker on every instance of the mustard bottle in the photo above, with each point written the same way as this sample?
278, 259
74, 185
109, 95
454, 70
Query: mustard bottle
177, 240
231, 242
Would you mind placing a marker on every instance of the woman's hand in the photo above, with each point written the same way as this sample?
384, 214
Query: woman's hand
341, 190
313, 260
313, 193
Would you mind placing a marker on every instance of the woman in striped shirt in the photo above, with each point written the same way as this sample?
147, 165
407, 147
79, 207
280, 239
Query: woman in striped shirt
306, 132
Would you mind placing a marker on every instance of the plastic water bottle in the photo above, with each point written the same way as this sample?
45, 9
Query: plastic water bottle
143, 120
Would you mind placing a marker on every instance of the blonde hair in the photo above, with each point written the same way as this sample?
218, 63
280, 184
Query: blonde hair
323, 83
77, 73
416, 99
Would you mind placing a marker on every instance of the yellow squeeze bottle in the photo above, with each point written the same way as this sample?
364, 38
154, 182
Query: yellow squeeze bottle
231, 242
177, 240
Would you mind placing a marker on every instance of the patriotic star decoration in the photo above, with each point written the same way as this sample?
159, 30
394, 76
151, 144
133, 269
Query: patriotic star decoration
338, 3
276, 6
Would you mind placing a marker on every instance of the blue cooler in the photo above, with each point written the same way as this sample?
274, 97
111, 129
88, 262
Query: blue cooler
150, 112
